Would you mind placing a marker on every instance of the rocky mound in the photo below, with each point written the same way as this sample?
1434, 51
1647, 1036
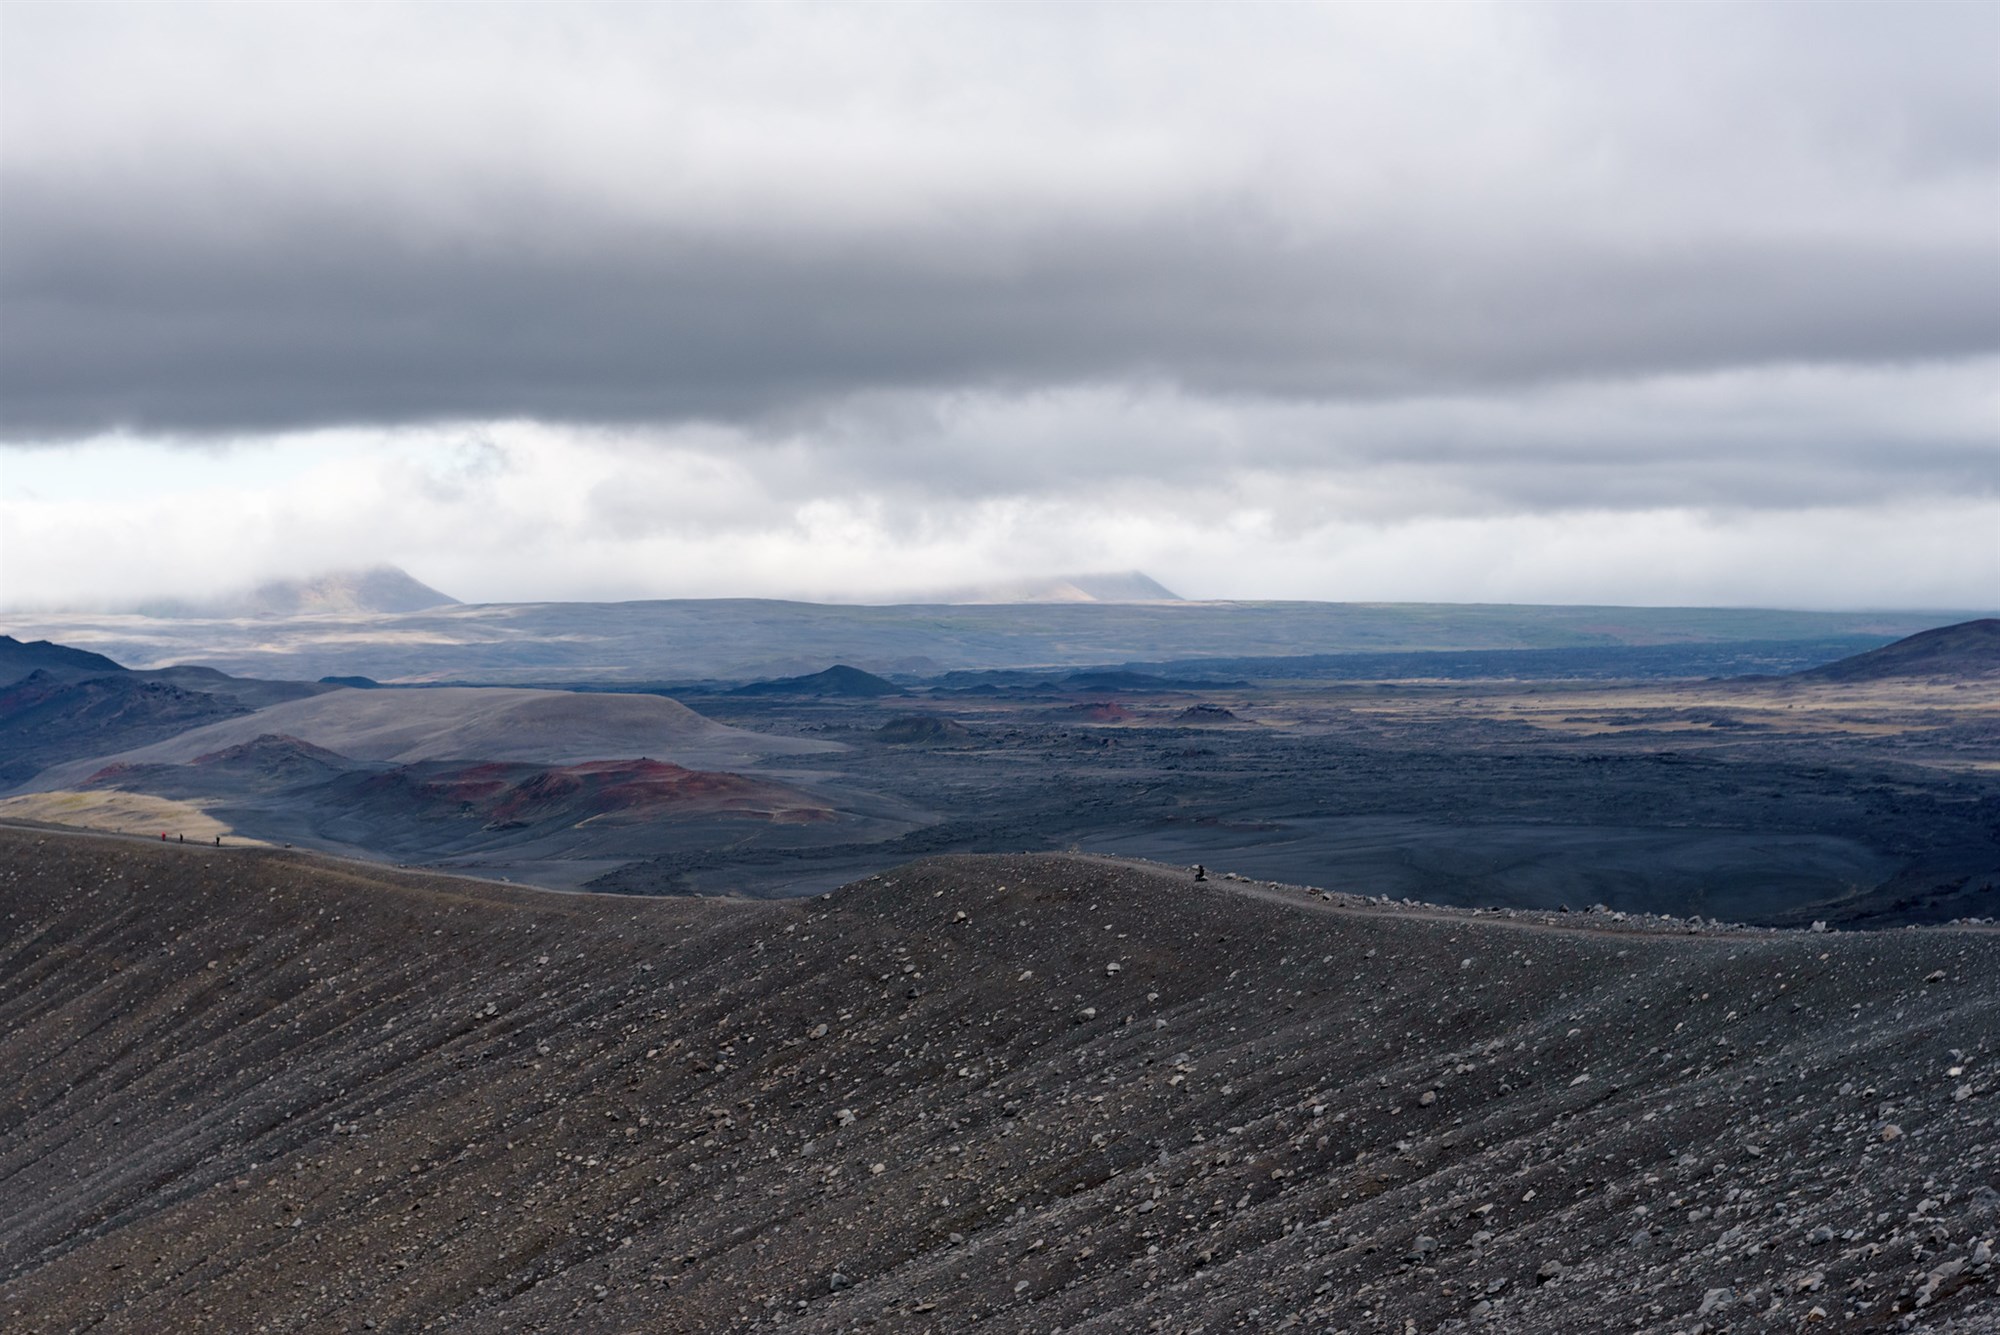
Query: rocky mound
275, 751
922, 730
1099, 711
517, 796
249, 1090
1968, 651
1200, 714
271, 764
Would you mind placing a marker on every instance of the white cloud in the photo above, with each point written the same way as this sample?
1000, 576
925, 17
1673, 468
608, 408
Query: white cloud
1617, 302
1799, 488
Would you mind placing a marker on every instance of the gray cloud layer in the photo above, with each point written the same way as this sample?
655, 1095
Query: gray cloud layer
236, 220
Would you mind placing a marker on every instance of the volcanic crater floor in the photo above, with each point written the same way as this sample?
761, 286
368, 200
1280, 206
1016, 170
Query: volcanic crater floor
252, 1090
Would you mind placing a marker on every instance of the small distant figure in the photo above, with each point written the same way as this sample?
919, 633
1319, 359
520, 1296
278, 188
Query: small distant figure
1200, 872
180, 838
218, 841
163, 836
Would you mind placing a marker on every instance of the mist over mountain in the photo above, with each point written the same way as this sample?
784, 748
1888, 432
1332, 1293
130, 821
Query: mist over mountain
375, 589
1122, 586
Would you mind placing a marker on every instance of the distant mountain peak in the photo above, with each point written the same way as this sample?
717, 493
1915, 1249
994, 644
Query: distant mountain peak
375, 589
1118, 586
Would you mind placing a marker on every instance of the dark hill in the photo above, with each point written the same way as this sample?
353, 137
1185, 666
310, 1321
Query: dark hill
45, 719
63, 663
838, 680
1969, 651
251, 1091
59, 703
18, 660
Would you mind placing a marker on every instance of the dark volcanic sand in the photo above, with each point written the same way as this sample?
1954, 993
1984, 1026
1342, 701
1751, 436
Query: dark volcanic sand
1875, 813
249, 1091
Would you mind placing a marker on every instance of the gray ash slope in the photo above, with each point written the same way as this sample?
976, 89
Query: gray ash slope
251, 1090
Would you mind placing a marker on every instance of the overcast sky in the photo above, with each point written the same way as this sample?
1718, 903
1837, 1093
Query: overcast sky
1589, 302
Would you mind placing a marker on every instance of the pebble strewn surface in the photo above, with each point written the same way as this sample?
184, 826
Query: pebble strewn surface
250, 1091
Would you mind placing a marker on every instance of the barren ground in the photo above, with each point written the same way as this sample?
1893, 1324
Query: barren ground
253, 1091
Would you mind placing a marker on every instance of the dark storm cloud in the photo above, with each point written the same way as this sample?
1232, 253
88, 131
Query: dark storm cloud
162, 331
1259, 209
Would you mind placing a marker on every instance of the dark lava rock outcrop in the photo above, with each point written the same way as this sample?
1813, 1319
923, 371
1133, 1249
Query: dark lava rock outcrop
252, 1091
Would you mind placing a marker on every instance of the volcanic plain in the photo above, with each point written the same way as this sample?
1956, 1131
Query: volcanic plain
1861, 792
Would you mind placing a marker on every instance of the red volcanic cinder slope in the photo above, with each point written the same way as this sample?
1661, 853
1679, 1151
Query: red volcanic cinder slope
600, 790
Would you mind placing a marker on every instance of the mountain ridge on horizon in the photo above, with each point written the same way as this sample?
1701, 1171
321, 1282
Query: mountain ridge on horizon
386, 589
1114, 586
358, 590
758, 639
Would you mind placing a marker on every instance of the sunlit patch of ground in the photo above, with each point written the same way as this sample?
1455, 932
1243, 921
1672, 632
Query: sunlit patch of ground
1875, 709
120, 813
1693, 711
